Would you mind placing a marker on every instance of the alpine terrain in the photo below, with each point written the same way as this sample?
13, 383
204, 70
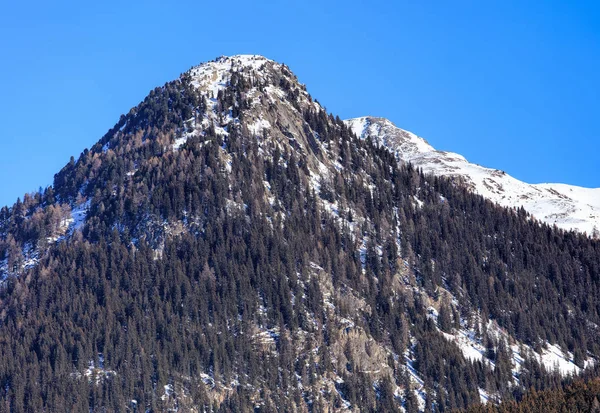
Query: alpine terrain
230, 246
566, 206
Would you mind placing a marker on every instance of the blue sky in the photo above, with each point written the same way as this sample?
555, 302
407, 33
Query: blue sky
510, 85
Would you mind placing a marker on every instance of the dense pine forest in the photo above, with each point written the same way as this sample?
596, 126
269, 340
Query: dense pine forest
581, 396
224, 267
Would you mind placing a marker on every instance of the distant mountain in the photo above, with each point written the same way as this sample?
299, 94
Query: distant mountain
566, 206
229, 246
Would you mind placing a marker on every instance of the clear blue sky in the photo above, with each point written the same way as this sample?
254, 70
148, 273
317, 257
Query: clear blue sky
509, 85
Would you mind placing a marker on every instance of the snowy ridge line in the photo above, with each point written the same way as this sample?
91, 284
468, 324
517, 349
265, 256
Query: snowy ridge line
567, 206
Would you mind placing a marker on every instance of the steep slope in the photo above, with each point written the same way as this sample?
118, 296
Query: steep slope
229, 246
566, 206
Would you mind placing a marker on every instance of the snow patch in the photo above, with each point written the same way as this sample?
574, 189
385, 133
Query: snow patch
258, 126
468, 343
78, 216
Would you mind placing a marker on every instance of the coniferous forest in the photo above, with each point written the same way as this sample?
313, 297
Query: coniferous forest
225, 274
580, 396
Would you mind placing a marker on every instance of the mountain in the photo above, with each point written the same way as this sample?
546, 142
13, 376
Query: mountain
229, 246
566, 206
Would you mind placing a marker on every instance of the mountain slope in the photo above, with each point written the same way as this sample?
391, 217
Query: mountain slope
229, 246
566, 206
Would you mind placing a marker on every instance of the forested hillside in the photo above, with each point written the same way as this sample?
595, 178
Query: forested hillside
581, 396
230, 246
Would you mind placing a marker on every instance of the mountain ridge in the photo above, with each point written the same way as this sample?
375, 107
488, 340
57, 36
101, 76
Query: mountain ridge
567, 206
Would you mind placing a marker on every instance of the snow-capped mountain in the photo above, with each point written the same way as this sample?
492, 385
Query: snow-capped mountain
229, 246
567, 206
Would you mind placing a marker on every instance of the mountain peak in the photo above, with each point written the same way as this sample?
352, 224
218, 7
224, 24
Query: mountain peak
239, 61
216, 74
261, 94
248, 59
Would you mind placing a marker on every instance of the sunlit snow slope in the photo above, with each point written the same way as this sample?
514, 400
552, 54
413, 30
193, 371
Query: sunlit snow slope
567, 206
